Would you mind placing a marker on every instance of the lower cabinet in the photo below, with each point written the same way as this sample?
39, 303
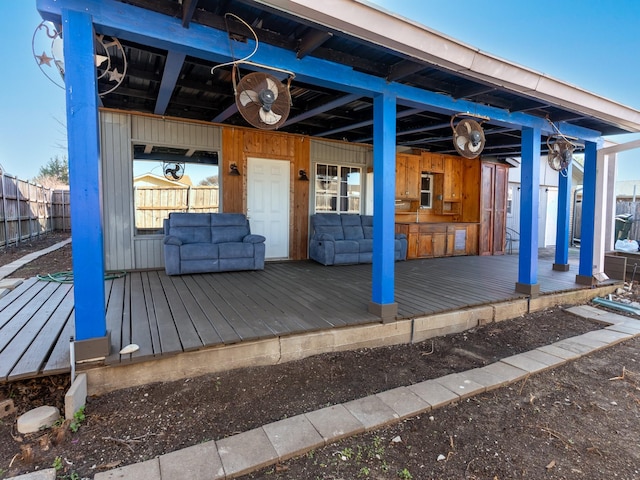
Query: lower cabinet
425, 240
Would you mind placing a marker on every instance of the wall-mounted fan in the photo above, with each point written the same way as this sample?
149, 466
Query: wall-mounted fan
173, 170
468, 137
560, 152
263, 100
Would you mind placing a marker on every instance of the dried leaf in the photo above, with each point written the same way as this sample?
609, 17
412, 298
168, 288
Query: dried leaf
550, 465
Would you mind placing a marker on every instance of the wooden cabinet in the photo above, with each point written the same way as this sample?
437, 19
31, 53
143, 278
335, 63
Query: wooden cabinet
408, 176
426, 240
432, 162
452, 186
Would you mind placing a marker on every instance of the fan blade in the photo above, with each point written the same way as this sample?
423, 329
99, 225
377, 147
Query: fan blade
247, 97
269, 117
271, 85
475, 148
461, 141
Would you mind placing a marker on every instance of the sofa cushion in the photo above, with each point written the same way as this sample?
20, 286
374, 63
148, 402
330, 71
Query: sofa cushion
367, 225
199, 251
329, 224
228, 227
365, 245
352, 227
235, 250
347, 246
190, 227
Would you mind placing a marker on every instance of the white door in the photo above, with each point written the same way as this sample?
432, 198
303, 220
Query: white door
268, 203
551, 218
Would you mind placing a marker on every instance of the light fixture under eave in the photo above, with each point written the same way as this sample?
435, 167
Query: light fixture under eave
303, 176
233, 170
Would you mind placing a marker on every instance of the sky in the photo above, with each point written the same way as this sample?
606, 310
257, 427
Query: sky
592, 44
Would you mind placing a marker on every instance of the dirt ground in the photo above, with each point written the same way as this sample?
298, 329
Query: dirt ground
579, 421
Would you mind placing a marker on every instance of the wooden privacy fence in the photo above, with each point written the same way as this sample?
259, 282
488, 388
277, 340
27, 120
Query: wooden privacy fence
153, 204
28, 210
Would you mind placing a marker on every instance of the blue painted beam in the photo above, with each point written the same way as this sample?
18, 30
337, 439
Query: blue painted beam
564, 216
85, 183
384, 184
172, 68
226, 113
529, 201
161, 31
587, 225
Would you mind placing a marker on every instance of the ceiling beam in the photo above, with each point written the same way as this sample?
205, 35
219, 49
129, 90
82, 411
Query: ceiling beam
404, 69
311, 41
228, 112
366, 123
338, 102
172, 67
188, 9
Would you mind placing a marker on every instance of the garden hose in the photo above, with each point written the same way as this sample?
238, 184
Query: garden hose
67, 277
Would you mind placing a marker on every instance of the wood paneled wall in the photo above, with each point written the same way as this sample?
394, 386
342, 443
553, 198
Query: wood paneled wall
237, 145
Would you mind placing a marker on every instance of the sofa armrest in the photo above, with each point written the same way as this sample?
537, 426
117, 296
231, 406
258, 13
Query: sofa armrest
323, 237
171, 240
400, 236
252, 238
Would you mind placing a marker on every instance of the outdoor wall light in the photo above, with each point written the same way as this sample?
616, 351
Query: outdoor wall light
303, 176
233, 170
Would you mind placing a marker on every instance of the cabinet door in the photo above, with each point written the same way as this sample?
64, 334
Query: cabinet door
493, 209
425, 245
451, 240
439, 244
413, 177
437, 163
452, 187
408, 176
401, 176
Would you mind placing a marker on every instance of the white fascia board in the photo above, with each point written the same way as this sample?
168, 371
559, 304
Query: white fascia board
372, 24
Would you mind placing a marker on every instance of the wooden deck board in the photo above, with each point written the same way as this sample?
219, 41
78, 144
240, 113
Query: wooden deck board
140, 329
13, 295
23, 297
169, 338
205, 331
189, 338
37, 354
59, 360
218, 321
115, 317
21, 331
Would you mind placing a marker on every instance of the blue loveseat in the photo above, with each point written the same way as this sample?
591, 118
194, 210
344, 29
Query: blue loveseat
210, 242
347, 239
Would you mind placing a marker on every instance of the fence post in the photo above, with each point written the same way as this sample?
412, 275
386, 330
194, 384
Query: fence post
4, 208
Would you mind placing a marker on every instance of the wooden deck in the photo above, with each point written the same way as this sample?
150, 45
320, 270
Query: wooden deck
168, 315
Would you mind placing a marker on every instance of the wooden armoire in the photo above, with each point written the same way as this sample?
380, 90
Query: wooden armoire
493, 208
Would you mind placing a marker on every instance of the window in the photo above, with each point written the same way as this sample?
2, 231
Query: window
509, 200
338, 189
169, 180
426, 190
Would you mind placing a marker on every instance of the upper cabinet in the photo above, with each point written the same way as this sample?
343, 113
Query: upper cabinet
432, 162
408, 176
452, 186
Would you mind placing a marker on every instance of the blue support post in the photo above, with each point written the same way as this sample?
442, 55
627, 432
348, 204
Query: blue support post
384, 186
562, 227
85, 185
587, 225
529, 200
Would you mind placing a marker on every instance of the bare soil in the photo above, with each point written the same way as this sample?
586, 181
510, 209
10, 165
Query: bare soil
579, 421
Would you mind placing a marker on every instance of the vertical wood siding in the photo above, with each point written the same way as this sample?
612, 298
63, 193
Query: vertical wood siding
119, 131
